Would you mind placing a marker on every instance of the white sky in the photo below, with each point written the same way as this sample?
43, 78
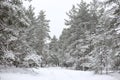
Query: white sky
55, 12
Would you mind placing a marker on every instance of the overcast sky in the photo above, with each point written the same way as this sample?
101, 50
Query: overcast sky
55, 11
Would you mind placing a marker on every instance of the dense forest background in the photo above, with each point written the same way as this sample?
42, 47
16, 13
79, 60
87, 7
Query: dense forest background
90, 41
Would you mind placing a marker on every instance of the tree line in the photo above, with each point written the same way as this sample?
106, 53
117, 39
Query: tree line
89, 42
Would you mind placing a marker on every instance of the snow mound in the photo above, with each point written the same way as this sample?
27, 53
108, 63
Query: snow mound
54, 74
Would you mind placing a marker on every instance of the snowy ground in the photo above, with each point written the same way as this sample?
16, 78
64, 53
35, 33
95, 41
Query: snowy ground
50, 74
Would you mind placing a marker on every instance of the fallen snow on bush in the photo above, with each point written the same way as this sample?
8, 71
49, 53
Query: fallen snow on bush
9, 54
52, 74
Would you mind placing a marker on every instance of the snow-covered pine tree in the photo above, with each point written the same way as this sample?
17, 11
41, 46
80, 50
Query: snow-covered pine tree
79, 25
13, 21
41, 33
115, 23
63, 43
104, 42
54, 52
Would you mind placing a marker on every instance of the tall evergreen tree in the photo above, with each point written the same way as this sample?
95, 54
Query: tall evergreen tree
54, 52
13, 22
41, 31
79, 23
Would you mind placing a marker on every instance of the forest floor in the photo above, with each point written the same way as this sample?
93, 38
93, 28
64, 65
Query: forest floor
52, 74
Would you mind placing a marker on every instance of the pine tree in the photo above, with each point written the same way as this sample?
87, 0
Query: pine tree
63, 43
103, 42
41, 31
13, 22
115, 23
79, 23
54, 52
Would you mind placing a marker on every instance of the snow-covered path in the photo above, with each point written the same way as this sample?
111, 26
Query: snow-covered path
52, 74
